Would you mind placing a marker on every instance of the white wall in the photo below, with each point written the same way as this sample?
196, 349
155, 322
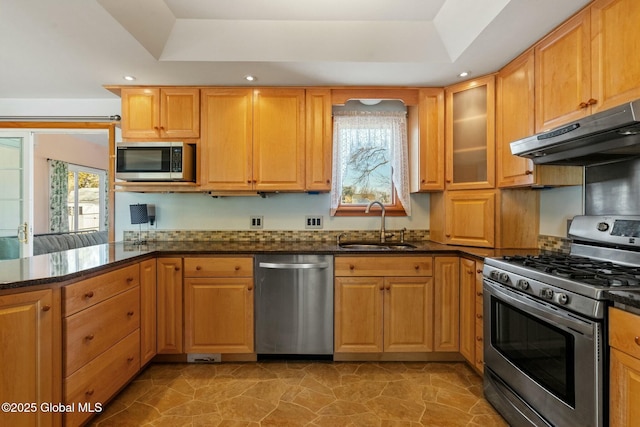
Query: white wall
557, 205
280, 211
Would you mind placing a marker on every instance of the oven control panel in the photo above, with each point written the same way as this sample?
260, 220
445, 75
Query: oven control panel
607, 229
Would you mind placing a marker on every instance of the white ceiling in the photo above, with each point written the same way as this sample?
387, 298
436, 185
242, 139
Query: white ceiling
71, 48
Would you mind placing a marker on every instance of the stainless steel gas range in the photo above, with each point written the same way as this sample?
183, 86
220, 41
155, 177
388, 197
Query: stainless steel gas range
545, 326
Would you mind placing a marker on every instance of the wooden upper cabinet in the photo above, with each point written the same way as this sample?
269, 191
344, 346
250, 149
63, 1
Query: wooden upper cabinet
227, 139
319, 130
615, 36
278, 139
426, 134
160, 112
563, 74
470, 134
253, 139
515, 120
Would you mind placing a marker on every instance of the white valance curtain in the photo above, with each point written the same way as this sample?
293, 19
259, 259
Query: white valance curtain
365, 125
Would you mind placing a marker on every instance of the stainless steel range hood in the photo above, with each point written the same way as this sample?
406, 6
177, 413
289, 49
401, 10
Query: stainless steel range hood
608, 136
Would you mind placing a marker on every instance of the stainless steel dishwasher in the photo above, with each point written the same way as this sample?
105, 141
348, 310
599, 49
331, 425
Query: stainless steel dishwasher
294, 304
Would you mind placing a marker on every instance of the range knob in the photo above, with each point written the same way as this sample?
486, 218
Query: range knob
602, 226
546, 293
522, 284
563, 299
504, 277
494, 274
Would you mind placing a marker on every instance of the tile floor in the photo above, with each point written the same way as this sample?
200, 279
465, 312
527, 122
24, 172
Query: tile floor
302, 394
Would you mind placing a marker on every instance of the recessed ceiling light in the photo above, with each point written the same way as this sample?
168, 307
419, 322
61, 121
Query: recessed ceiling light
250, 78
463, 74
129, 78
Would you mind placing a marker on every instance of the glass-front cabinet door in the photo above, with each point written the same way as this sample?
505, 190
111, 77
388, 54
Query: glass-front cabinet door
15, 223
470, 134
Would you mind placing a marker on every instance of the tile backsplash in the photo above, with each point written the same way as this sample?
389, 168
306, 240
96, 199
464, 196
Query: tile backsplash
545, 243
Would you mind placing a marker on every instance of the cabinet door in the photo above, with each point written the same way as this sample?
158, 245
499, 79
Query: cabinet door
624, 389
427, 153
218, 315
319, 141
614, 68
514, 120
179, 112
148, 312
467, 309
140, 112
358, 314
27, 355
446, 310
408, 324
279, 139
227, 139
470, 218
470, 134
563, 74
169, 310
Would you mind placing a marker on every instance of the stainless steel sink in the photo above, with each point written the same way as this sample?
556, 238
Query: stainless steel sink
375, 245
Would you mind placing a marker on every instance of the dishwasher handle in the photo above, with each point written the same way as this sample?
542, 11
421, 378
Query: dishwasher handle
293, 266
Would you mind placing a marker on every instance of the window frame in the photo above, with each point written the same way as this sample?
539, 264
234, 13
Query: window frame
102, 194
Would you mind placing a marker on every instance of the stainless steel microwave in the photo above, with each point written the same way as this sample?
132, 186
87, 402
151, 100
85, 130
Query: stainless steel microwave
155, 161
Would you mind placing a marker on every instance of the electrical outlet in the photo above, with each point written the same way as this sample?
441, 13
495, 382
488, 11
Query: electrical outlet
256, 222
313, 222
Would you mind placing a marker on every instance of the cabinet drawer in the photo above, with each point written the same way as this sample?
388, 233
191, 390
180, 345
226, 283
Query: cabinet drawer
94, 330
383, 266
624, 331
86, 293
101, 378
218, 267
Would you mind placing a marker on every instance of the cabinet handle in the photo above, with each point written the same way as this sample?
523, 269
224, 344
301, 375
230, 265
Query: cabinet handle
176, 268
478, 339
89, 392
583, 105
423, 181
250, 287
382, 287
528, 172
236, 268
130, 313
448, 235
46, 307
130, 359
478, 271
129, 279
248, 181
388, 287
471, 273
592, 101
479, 294
89, 337
156, 128
416, 267
89, 294
637, 340
479, 316
328, 181
352, 267
198, 268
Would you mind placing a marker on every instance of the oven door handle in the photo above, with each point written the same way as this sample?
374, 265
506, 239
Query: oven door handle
541, 311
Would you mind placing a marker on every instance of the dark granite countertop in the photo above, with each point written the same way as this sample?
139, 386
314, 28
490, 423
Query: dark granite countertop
75, 263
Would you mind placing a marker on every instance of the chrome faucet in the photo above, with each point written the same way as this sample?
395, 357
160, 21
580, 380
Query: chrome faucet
383, 233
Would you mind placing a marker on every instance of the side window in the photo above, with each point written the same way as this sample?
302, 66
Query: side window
87, 198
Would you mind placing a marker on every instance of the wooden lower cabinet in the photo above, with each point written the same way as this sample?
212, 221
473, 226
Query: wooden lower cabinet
169, 306
101, 342
446, 325
218, 305
148, 312
471, 306
29, 356
375, 313
624, 386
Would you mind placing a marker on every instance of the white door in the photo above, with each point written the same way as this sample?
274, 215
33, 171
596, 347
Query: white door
16, 216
